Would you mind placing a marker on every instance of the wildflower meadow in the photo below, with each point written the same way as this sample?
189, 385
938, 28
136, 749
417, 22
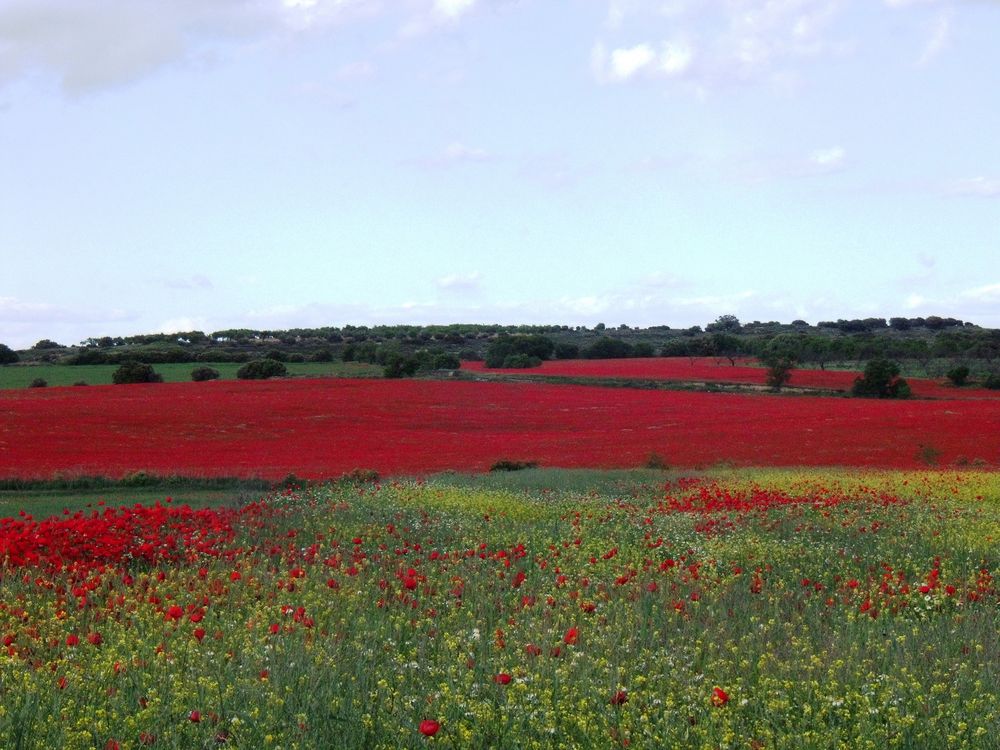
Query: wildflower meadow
728, 609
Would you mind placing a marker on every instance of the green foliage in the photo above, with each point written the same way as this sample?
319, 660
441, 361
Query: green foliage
958, 376
7, 355
38, 383
567, 351
725, 323
656, 461
506, 464
135, 372
881, 380
201, 374
780, 357
261, 369
535, 346
992, 381
608, 348
323, 355
46, 344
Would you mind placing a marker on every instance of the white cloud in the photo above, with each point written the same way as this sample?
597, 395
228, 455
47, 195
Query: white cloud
626, 62
469, 282
984, 187
989, 293
453, 8
828, 158
459, 152
195, 281
734, 40
939, 38
675, 58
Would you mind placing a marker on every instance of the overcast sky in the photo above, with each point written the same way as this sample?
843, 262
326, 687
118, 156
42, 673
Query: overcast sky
205, 164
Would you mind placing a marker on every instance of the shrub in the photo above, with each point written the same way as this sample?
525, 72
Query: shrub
505, 346
520, 362
7, 355
201, 374
261, 369
608, 348
505, 464
567, 351
992, 381
656, 461
881, 380
323, 355
135, 372
277, 355
80, 382
958, 375
38, 383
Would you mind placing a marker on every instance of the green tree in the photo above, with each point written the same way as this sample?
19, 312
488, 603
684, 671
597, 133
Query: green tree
7, 355
135, 372
201, 374
958, 375
261, 369
780, 356
881, 380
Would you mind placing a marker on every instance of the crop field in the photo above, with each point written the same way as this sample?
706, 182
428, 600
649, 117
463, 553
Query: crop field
718, 370
20, 376
772, 609
324, 428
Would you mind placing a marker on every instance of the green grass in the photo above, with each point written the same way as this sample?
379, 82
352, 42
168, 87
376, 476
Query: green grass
19, 376
45, 503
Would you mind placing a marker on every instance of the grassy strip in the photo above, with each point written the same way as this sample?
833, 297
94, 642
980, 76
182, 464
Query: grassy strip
20, 376
652, 384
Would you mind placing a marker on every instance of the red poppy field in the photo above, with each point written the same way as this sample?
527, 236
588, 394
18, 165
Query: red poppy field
730, 610
717, 370
324, 428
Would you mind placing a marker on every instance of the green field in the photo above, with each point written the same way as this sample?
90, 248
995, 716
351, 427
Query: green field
20, 376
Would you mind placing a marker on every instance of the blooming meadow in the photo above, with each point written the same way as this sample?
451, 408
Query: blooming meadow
764, 609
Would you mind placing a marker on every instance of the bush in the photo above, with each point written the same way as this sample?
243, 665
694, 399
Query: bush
567, 351
201, 374
38, 383
322, 355
135, 372
520, 362
261, 369
881, 380
608, 348
505, 464
7, 355
656, 461
958, 375
505, 346
992, 381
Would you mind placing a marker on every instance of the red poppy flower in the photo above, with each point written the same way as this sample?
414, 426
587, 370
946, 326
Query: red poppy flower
95, 639
719, 697
571, 636
620, 698
429, 727
195, 716
72, 640
502, 679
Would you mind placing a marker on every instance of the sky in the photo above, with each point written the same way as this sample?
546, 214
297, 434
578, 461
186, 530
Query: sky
173, 165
